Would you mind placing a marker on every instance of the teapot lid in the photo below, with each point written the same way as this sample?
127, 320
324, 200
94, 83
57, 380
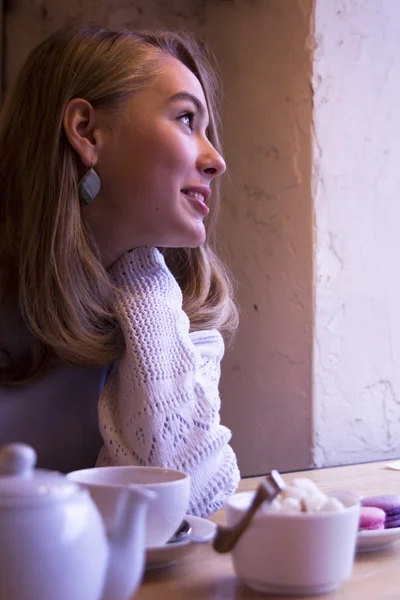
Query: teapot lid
21, 482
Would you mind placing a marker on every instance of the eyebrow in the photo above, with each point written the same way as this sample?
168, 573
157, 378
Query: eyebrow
187, 96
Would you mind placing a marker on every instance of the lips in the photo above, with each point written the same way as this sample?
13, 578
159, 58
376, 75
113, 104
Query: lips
197, 199
202, 193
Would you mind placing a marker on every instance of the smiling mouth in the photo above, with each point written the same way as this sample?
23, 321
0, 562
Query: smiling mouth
197, 200
197, 195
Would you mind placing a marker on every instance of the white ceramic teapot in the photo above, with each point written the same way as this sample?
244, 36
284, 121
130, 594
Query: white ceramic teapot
53, 543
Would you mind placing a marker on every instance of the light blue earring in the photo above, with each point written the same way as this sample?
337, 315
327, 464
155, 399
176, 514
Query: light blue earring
89, 186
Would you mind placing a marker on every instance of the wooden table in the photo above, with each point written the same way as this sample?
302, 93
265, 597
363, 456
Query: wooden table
205, 575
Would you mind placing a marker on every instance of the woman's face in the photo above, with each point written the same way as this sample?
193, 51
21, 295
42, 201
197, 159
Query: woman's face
155, 168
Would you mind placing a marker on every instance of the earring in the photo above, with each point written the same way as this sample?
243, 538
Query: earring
89, 186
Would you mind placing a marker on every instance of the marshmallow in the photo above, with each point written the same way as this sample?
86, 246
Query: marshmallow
304, 496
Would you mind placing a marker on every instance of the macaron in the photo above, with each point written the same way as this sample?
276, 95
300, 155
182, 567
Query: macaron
391, 522
372, 518
389, 503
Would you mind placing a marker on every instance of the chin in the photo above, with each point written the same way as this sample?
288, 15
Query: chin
195, 242
189, 239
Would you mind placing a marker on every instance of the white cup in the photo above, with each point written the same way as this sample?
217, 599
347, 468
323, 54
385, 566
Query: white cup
164, 514
295, 553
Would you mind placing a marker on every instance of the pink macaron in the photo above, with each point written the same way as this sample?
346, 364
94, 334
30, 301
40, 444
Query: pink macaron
389, 503
372, 518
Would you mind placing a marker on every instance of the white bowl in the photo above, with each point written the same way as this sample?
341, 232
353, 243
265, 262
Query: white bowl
164, 514
296, 553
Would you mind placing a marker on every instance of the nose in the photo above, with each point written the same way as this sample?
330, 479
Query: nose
210, 162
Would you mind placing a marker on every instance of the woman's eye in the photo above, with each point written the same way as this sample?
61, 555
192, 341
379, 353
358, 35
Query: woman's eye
187, 119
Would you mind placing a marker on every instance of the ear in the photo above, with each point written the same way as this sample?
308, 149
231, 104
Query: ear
79, 125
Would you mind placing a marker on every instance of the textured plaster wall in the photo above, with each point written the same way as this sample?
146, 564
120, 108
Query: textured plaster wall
356, 180
263, 50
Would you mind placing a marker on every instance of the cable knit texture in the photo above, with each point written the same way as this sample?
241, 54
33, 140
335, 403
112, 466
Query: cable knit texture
160, 405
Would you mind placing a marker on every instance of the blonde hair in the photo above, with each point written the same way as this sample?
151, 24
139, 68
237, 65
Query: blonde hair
50, 267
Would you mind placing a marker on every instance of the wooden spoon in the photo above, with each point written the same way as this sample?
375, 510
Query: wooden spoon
226, 537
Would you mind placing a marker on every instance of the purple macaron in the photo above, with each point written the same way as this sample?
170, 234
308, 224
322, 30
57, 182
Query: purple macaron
390, 503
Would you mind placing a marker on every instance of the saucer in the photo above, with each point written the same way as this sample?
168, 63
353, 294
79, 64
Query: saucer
367, 541
395, 465
202, 532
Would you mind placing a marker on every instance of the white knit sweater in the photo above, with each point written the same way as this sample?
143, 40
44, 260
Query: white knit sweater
160, 405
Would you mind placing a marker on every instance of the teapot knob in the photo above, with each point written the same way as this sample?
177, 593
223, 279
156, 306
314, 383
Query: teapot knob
17, 459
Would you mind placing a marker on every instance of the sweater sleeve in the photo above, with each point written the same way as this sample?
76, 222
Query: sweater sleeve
160, 405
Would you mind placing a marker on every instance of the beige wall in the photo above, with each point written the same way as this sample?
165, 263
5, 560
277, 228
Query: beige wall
267, 225
266, 228
29, 21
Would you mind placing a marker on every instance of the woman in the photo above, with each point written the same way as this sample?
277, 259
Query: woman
108, 148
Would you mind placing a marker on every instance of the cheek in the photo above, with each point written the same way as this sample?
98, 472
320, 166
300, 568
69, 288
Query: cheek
166, 153
149, 164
